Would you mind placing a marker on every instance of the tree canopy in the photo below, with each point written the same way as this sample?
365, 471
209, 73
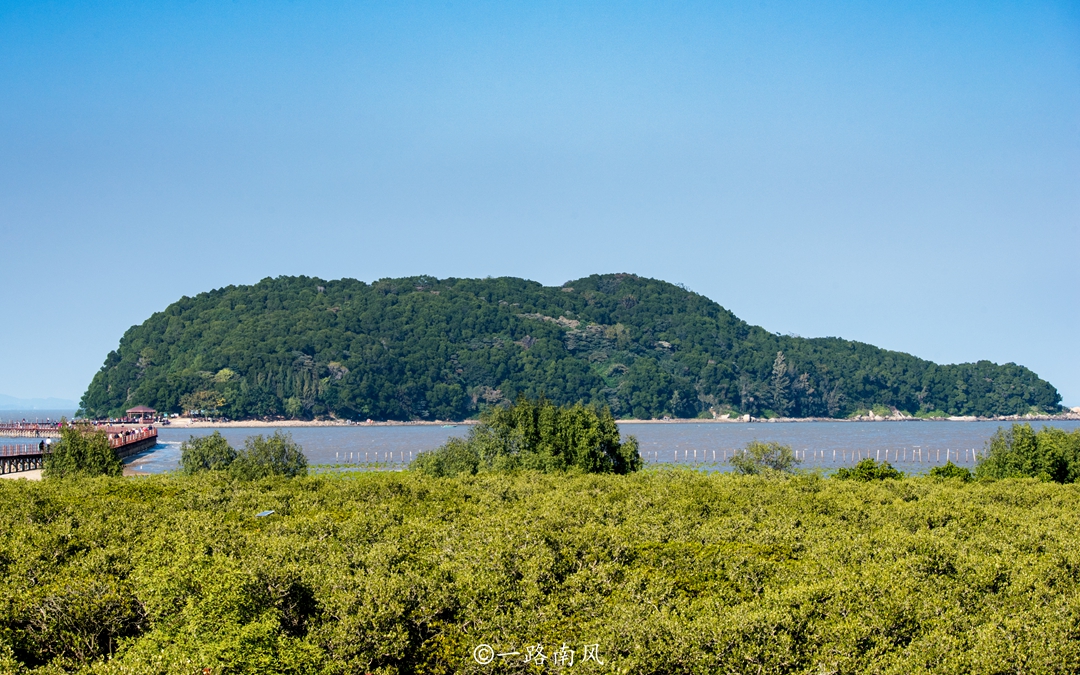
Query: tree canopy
206, 453
81, 452
1049, 454
664, 572
764, 458
537, 435
424, 348
868, 470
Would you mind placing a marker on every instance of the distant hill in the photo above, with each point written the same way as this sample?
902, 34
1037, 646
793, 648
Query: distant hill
425, 348
15, 403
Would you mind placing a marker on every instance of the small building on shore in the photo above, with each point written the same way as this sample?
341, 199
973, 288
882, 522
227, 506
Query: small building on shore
141, 412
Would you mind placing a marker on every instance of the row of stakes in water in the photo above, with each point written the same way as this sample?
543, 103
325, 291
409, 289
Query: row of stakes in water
899, 455
914, 455
375, 457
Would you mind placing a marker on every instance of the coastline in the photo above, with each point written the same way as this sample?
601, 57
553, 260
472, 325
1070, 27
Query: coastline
187, 423
35, 474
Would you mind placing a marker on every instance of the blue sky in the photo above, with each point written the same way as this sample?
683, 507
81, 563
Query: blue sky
902, 174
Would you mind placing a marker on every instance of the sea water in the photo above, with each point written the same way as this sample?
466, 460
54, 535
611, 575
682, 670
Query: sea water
912, 446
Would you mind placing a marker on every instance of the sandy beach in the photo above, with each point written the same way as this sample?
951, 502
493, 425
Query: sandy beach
35, 474
28, 475
187, 423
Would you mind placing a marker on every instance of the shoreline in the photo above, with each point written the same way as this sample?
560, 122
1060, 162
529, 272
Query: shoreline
35, 474
185, 423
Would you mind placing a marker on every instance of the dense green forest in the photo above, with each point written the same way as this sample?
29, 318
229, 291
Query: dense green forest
424, 348
671, 572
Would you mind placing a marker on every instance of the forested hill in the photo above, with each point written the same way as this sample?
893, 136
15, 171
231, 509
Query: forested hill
425, 348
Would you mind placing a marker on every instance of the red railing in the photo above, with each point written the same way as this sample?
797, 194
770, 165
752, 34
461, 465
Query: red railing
30, 426
30, 430
20, 450
119, 440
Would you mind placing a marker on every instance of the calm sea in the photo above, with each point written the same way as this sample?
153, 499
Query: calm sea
911, 446
35, 415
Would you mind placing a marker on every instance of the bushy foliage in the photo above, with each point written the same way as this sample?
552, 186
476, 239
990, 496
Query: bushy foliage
455, 457
868, 470
81, 452
537, 435
1019, 452
757, 458
667, 572
206, 453
425, 348
276, 455
950, 470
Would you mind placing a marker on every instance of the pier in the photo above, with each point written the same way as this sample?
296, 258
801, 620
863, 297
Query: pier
31, 429
30, 456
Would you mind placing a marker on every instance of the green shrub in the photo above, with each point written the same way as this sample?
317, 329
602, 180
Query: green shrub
951, 470
206, 453
539, 436
455, 457
277, 455
758, 457
81, 452
394, 573
868, 470
931, 414
1051, 454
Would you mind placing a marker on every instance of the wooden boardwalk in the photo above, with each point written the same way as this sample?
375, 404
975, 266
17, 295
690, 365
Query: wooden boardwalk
30, 430
30, 456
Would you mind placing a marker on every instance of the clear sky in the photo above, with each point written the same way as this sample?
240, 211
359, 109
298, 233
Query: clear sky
905, 174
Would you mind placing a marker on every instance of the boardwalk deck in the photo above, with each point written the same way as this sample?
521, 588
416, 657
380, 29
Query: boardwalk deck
30, 456
30, 430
